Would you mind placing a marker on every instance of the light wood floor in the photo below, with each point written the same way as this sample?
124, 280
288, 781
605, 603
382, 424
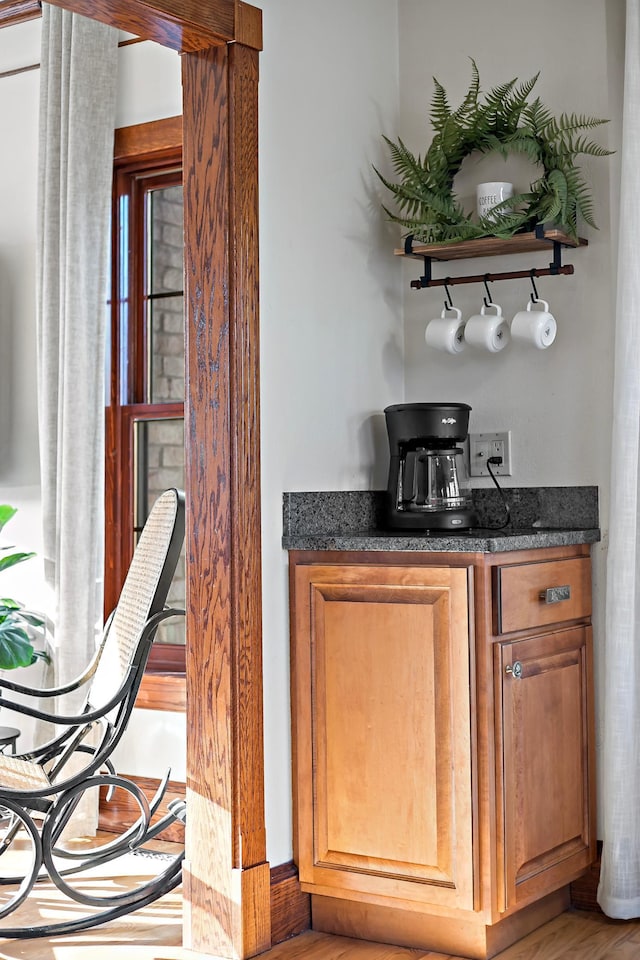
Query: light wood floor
572, 936
155, 931
155, 934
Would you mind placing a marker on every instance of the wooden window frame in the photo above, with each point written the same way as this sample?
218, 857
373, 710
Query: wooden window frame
145, 154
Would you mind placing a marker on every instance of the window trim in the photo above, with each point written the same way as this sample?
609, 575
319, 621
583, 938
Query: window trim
156, 144
149, 142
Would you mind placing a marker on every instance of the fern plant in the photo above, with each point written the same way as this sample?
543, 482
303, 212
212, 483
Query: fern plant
504, 121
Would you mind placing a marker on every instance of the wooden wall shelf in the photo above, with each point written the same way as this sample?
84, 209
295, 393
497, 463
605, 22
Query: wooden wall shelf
551, 239
490, 246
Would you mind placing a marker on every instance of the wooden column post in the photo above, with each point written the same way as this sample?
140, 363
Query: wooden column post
226, 887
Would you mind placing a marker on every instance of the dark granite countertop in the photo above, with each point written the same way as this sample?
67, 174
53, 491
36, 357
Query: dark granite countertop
352, 521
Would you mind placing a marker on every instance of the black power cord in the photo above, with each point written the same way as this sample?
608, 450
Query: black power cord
496, 461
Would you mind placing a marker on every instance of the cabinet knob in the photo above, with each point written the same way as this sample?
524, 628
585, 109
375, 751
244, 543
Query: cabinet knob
556, 594
515, 670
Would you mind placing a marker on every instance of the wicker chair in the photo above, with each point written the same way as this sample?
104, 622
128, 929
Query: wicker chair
40, 790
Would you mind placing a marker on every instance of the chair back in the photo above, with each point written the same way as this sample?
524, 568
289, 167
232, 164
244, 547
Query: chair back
144, 594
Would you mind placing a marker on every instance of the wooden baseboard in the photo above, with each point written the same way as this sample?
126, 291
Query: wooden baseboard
465, 935
290, 907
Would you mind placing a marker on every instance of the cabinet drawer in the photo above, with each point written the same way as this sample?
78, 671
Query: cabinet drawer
535, 594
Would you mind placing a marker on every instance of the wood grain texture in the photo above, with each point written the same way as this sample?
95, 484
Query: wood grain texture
211, 843
290, 907
579, 936
244, 411
248, 25
225, 828
520, 586
160, 691
183, 25
147, 141
545, 733
491, 246
152, 934
321, 946
17, 11
466, 935
530, 746
382, 719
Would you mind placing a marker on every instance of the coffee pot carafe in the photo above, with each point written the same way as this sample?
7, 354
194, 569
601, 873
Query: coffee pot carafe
428, 487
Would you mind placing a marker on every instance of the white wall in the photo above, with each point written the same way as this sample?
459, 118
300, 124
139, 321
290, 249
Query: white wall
331, 343
149, 85
333, 335
557, 403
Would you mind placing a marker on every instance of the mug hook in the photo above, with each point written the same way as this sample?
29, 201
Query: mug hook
487, 299
534, 295
448, 303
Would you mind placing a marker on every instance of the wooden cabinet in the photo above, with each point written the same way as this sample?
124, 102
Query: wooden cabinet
542, 714
443, 768
383, 732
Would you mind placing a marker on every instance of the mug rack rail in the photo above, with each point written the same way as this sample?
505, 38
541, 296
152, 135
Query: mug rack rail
540, 239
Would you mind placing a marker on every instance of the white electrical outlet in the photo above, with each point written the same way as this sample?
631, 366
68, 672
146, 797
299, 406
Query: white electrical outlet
485, 445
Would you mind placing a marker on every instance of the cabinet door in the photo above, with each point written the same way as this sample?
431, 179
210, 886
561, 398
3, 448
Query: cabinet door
381, 708
546, 783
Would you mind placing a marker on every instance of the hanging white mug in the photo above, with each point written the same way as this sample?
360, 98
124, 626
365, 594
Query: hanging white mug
487, 331
446, 332
535, 327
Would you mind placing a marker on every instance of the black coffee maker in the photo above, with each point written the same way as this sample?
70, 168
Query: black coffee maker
428, 486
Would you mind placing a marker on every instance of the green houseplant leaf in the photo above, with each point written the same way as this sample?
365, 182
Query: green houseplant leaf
13, 558
503, 121
16, 649
6, 513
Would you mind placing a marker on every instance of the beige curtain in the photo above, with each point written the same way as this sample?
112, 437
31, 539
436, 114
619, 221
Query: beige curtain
619, 889
77, 119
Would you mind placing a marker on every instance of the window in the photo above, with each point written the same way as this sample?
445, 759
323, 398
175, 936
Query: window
145, 406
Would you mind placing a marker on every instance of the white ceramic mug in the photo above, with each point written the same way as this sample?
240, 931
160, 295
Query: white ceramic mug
487, 331
489, 195
446, 332
535, 327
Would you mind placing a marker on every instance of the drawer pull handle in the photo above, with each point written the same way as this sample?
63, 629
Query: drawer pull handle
515, 671
556, 594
